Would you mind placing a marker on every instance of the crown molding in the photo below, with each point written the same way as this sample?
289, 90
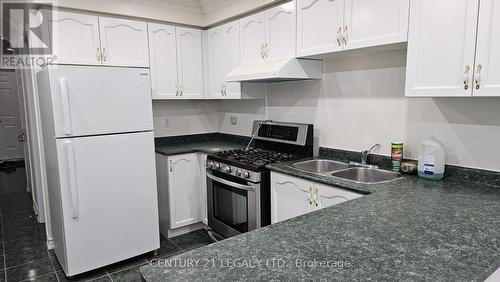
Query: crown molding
193, 6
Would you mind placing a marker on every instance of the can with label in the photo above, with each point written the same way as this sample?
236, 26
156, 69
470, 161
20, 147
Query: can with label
396, 156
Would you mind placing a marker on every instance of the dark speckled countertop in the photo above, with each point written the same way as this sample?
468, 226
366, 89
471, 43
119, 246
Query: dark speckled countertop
205, 143
410, 230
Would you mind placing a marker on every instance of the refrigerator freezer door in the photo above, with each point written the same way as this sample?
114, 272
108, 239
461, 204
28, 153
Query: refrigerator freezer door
109, 199
100, 100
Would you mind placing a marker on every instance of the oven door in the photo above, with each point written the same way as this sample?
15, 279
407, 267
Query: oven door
233, 204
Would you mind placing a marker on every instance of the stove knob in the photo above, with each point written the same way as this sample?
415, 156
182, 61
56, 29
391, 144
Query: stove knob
216, 166
210, 164
227, 169
246, 174
238, 172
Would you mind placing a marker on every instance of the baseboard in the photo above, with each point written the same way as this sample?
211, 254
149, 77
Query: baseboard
184, 230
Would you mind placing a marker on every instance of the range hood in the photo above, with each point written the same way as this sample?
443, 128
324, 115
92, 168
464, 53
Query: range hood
279, 70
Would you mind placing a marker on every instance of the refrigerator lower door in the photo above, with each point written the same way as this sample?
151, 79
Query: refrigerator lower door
108, 198
96, 100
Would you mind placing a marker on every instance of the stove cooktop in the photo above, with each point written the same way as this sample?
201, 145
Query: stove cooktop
254, 159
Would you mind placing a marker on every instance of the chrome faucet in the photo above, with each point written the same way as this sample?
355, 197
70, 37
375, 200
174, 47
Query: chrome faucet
366, 153
364, 157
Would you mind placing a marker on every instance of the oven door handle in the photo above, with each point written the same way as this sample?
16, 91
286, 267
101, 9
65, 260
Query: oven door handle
230, 183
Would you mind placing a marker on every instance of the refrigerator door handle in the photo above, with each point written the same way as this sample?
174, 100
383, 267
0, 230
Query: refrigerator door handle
66, 109
73, 184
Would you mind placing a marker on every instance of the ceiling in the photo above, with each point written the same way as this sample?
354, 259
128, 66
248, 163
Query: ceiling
195, 6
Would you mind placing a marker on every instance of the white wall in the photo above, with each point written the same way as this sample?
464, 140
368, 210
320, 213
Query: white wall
245, 111
185, 117
360, 102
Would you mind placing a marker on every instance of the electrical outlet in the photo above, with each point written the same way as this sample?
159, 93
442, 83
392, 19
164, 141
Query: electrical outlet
234, 120
166, 123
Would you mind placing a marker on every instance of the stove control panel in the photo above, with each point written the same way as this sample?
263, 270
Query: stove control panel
234, 171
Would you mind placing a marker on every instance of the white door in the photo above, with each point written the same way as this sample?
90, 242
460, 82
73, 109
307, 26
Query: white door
487, 69
326, 196
75, 39
10, 119
371, 23
97, 100
319, 26
281, 30
124, 42
290, 197
189, 63
233, 58
441, 48
252, 39
183, 190
108, 197
163, 58
217, 62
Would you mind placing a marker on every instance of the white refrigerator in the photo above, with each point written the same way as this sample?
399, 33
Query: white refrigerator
97, 125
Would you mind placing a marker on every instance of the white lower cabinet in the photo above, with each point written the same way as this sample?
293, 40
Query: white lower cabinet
291, 196
182, 196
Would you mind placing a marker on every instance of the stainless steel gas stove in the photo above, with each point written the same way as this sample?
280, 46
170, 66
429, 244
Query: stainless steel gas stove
238, 182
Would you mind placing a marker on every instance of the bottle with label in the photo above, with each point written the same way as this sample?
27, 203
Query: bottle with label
396, 156
431, 160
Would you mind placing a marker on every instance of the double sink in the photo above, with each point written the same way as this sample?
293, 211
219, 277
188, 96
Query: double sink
364, 175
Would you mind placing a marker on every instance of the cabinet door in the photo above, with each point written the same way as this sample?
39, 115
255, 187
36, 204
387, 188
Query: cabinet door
76, 39
183, 190
233, 59
318, 24
252, 39
326, 196
371, 23
487, 69
217, 62
441, 48
124, 42
189, 63
163, 58
289, 197
281, 32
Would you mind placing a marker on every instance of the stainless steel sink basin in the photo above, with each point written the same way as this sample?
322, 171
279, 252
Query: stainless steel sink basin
367, 175
320, 166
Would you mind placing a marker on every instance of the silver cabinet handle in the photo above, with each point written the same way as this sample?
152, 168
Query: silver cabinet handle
478, 76
266, 50
309, 195
466, 77
104, 54
346, 35
180, 91
171, 166
262, 51
98, 54
339, 32
230, 183
176, 90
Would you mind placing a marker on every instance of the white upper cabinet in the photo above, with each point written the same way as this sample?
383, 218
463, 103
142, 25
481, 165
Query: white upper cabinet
441, 48
326, 26
217, 62
76, 39
232, 90
280, 32
487, 66
223, 56
189, 63
371, 23
252, 39
319, 26
163, 58
124, 42
269, 35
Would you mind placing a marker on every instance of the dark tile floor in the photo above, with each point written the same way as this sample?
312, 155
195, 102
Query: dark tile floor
23, 252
